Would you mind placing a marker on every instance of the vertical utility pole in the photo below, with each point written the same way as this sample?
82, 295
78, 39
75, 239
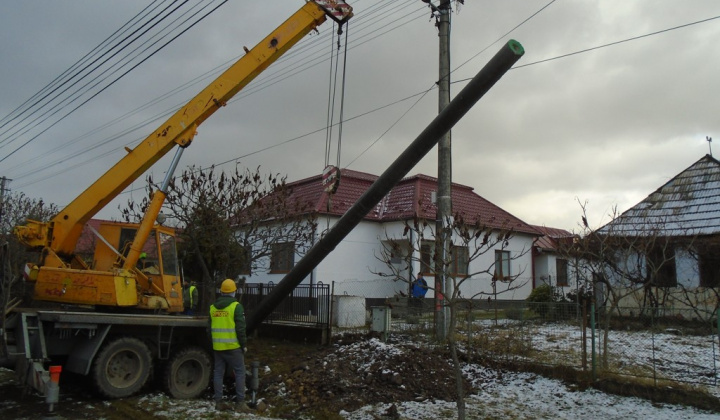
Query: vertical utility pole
443, 250
3, 188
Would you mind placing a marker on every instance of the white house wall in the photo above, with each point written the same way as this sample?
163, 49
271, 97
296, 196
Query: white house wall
353, 263
546, 272
480, 286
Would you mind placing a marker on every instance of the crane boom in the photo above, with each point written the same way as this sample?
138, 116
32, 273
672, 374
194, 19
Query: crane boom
58, 237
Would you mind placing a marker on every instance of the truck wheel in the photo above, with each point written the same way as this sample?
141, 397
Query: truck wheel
187, 374
122, 367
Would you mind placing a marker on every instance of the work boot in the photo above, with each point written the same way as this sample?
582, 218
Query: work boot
241, 407
222, 406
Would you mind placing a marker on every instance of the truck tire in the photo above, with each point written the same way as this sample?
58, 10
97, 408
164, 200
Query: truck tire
122, 367
187, 373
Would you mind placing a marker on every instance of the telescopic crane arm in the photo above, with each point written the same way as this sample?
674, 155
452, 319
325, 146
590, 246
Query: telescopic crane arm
64, 277
61, 234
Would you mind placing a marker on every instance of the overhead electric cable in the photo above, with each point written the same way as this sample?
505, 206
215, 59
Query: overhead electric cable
12, 115
28, 125
541, 61
114, 72
113, 82
45, 167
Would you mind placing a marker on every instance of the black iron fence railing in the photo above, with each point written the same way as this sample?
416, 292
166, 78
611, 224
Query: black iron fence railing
306, 304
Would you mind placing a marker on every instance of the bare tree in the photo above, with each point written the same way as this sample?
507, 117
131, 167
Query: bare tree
228, 223
471, 240
16, 208
631, 267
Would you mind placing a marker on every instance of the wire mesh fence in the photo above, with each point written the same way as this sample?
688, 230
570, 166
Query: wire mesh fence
676, 347
524, 332
658, 346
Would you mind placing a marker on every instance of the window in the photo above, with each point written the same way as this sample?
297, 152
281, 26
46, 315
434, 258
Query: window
502, 265
169, 254
661, 268
709, 270
459, 266
427, 258
282, 258
561, 271
245, 258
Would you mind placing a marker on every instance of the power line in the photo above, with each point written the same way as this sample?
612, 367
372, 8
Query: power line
610, 44
459, 81
311, 61
15, 112
85, 69
110, 84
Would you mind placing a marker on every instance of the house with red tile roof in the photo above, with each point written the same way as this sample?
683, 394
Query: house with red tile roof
355, 267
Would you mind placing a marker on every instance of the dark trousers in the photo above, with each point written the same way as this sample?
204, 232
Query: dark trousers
235, 360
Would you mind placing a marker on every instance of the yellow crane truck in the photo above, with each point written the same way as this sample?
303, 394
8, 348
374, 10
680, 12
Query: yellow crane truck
134, 322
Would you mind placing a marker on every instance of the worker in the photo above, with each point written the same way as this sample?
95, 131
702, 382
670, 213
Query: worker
141, 260
229, 341
419, 287
190, 298
417, 293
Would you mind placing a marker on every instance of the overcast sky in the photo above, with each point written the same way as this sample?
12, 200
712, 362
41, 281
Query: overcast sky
606, 126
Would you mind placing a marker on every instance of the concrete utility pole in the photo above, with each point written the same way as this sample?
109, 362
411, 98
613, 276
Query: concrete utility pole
3, 188
443, 250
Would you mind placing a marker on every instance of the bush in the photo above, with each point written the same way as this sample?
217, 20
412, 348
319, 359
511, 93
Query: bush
541, 294
542, 300
517, 314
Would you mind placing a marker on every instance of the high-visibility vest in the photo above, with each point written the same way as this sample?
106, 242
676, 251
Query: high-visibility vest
222, 327
191, 290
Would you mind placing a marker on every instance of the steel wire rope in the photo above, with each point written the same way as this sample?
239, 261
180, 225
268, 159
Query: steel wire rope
78, 63
163, 114
28, 126
342, 99
332, 94
122, 75
330, 99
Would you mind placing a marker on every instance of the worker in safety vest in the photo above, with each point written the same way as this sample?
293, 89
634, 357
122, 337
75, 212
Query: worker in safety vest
229, 341
190, 298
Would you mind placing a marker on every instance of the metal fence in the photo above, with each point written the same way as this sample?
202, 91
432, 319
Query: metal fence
675, 348
305, 305
662, 347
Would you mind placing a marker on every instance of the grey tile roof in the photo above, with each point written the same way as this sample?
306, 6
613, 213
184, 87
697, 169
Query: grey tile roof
687, 205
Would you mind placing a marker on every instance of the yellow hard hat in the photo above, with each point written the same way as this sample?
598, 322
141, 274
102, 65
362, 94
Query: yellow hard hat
228, 286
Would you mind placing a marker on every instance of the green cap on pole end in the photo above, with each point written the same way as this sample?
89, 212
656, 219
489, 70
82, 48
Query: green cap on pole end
516, 47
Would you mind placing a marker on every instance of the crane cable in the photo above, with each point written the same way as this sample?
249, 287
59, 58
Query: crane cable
331, 173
